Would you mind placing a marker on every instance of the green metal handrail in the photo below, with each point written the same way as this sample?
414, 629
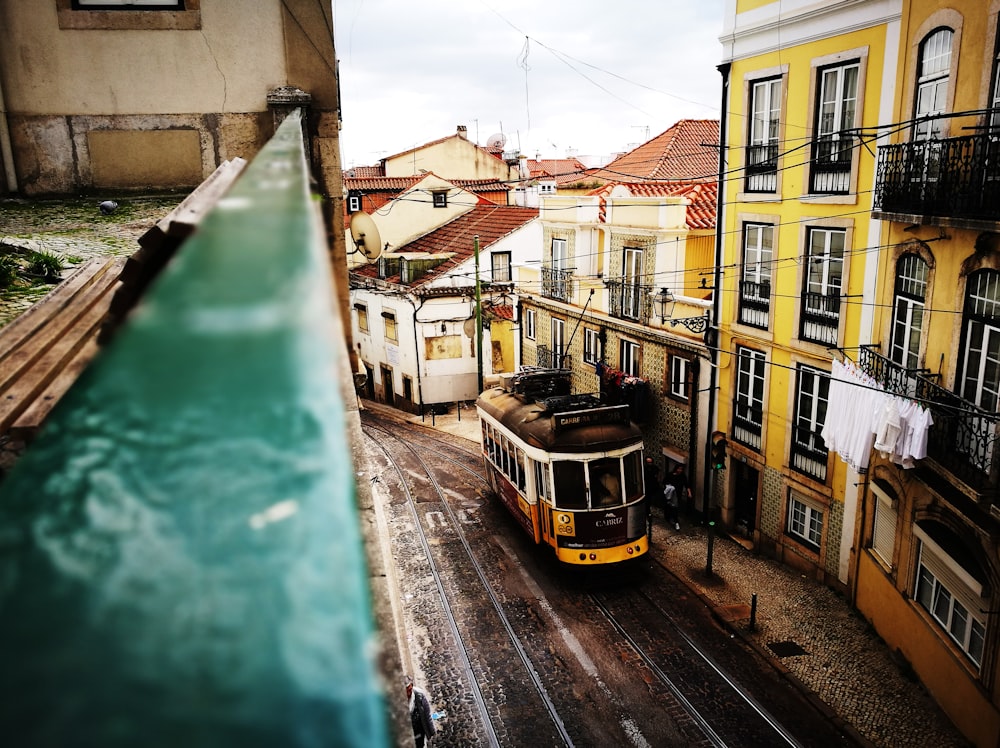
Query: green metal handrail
181, 561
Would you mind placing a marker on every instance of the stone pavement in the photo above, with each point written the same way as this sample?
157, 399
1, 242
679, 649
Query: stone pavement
807, 631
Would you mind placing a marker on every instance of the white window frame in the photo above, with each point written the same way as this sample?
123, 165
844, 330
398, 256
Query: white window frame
559, 254
758, 268
951, 596
500, 261
679, 385
557, 341
765, 128
750, 393
629, 351
363, 323
592, 352
439, 198
632, 266
811, 403
804, 521
529, 324
933, 79
909, 302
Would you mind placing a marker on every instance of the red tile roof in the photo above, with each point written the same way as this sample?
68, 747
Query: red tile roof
686, 151
564, 170
703, 196
490, 222
365, 171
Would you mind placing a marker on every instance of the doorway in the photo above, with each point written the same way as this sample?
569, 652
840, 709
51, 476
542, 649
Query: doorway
390, 397
746, 487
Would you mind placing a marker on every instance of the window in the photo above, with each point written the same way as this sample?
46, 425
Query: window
440, 199
558, 341
755, 285
908, 310
748, 408
129, 4
500, 267
994, 122
592, 348
979, 381
389, 321
762, 140
175, 15
362, 311
821, 297
353, 203
678, 388
931, 97
951, 594
883, 524
809, 453
629, 363
631, 282
805, 521
529, 324
555, 276
835, 115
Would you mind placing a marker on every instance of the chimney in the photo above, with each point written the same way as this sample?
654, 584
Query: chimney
463, 131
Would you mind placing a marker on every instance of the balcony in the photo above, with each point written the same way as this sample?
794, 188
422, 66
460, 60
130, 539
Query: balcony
830, 171
820, 318
954, 178
548, 358
630, 301
808, 456
748, 424
762, 168
962, 440
755, 304
557, 284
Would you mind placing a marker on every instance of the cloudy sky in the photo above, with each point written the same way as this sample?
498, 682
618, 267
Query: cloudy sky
554, 76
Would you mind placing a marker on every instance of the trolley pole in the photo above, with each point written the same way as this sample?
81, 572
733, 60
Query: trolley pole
479, 320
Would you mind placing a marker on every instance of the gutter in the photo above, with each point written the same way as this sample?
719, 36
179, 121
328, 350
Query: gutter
6, 150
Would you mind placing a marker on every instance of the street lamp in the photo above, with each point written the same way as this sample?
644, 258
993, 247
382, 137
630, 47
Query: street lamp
694, 324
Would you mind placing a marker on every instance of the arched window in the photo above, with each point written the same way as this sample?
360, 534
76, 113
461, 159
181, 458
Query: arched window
908, 310
933, 69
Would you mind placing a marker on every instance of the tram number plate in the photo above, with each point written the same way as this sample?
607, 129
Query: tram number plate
564, 524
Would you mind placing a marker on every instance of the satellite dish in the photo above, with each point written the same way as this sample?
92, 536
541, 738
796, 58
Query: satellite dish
469, 327
365, 234
497, 140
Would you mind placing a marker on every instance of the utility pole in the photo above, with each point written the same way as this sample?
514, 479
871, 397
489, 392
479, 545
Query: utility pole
479, 320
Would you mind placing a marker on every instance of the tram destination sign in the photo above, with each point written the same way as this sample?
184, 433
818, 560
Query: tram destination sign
573, 419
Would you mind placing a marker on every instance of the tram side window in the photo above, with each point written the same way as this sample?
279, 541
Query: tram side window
570, 484
519, 468
541, 480
633, 475
605, 481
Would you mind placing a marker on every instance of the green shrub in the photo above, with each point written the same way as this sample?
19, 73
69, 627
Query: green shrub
45, 265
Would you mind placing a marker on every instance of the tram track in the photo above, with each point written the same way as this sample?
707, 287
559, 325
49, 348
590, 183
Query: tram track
470, 558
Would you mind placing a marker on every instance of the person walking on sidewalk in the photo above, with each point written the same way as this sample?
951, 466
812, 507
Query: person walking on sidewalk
682, 492
652, 474
670, 502
420, 714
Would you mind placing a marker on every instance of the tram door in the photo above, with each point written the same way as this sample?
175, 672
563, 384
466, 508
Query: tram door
746, 484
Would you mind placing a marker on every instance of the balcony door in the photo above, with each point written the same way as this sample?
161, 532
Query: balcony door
631, 282
980, 378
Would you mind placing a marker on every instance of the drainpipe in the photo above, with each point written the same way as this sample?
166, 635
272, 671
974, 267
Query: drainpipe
708, 486
6, 151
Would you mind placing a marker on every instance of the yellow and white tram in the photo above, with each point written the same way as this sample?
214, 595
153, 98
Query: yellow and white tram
568, 468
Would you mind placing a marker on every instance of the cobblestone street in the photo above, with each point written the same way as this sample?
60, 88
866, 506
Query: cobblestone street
75, 231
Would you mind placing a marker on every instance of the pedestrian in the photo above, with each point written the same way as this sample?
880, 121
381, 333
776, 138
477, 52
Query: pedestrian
679, 481
670, 505
420, 714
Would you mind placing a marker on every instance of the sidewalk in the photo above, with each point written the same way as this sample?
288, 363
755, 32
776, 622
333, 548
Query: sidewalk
806, 630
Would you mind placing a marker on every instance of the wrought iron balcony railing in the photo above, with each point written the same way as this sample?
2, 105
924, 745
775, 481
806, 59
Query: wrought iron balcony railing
949, 178
808, 455
630, 301
762, 168
963, 438
748, 424
820, 318
830, 171
549, 358
755, 304
557, 284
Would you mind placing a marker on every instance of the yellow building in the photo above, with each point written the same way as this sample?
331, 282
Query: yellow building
928, 567
804, 83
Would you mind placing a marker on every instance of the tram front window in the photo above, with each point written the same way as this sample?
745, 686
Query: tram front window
606, 482
570, 485
633, 474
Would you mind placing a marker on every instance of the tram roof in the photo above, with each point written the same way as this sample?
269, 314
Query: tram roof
561, 424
